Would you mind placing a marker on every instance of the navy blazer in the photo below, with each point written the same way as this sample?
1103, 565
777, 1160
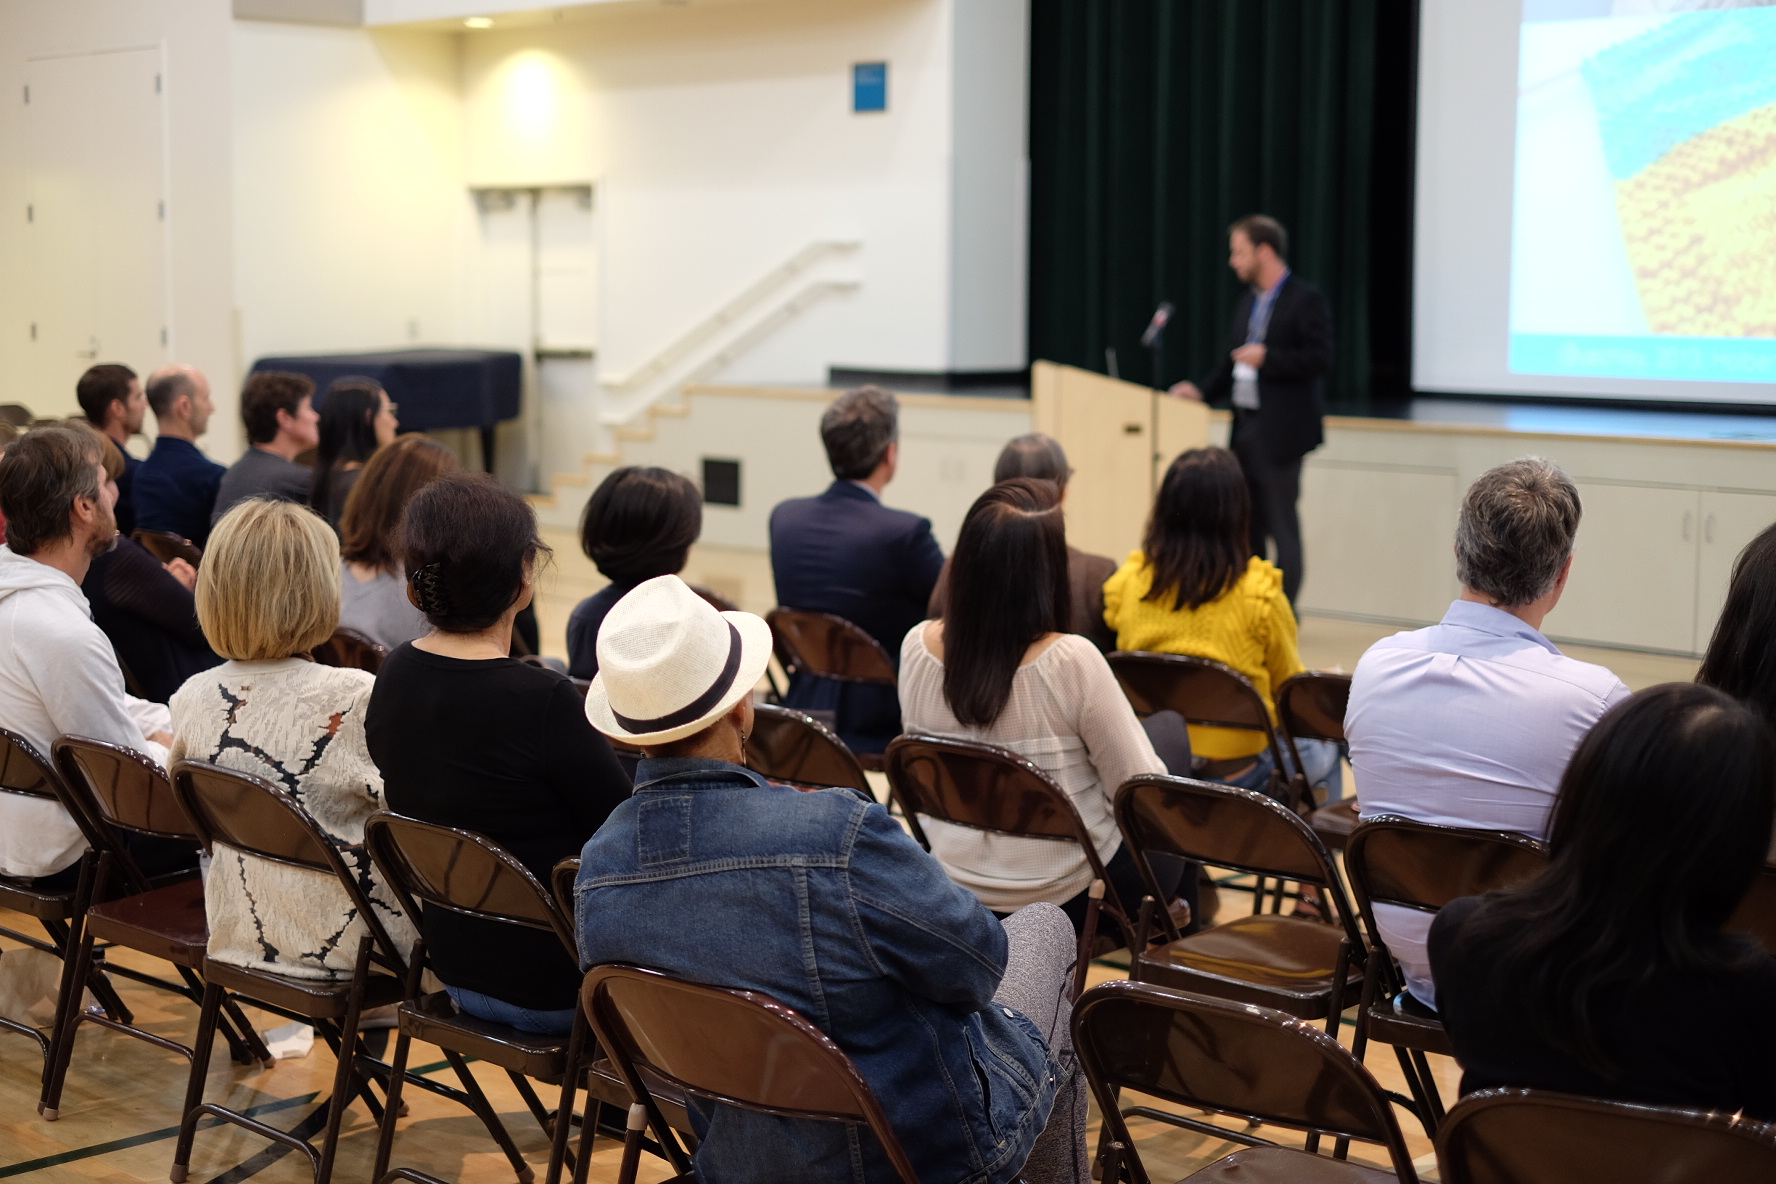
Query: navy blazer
846, 553
176, 489
1297, 358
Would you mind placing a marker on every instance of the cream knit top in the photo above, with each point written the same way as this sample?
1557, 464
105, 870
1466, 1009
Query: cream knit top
1069, 718
300, 726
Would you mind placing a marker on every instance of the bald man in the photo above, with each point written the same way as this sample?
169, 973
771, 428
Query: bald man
176, 486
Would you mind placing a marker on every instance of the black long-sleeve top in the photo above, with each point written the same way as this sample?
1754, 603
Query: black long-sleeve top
502, 748
150, 617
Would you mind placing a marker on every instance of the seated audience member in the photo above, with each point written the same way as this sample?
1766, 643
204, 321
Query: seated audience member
8, 434
468, 736
145, 608
268, 593
176, 485
60, 675
847, 554
1613, 973
822, 902
111, 398
1471, 721
356, 420
375, 600
278, 410
1196, 588
999, 669
1037, 455
640, 523
1741, 658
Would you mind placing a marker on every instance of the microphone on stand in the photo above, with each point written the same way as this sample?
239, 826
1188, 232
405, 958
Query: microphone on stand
1156, 327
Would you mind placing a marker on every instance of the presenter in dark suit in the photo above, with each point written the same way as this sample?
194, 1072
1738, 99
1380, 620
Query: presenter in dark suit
847, 554
1279, 352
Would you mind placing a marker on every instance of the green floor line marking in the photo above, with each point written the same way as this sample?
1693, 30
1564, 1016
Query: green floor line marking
50, 1161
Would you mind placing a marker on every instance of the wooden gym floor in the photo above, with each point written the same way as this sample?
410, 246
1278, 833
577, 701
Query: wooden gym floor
120, 1109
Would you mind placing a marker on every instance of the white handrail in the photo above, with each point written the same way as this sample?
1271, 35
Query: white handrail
676, 352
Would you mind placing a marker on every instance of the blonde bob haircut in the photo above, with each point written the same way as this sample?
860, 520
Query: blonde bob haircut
268, 586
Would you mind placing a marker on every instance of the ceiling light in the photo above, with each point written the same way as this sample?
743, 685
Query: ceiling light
479, 22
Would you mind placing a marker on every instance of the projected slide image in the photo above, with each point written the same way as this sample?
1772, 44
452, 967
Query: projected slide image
1644, 228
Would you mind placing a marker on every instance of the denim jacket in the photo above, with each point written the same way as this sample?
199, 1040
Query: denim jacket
823, 902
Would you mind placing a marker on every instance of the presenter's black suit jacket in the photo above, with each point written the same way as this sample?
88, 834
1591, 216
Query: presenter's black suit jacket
847, 554
1297, 357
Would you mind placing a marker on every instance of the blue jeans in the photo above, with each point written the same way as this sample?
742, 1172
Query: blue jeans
498, 1011
1320, 759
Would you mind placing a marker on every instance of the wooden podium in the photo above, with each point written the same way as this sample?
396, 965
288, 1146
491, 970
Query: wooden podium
1119, 438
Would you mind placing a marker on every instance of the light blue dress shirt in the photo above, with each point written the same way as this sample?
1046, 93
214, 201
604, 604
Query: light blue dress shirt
1469, 722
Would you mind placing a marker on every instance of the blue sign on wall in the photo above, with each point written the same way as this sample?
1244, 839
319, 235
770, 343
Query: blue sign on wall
869, 86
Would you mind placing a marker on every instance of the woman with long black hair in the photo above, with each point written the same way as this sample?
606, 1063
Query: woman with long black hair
1614, 973
1000, 668
1741, 658
356, 420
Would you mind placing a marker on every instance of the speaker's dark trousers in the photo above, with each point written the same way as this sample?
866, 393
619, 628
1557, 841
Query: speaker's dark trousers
1275, 486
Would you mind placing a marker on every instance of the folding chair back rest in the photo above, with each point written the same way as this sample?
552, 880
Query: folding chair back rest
981, 786
166, 546
738, 1047
1518, 1136
120, 787
1232, 1057
1310, 705
1221, 825
1417, 865
254, 816
350, 649
23, 770
1212, 694
829, 646
461, 871
789, 746
562, 879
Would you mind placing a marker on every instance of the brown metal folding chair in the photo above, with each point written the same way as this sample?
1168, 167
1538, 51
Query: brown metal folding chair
109, 791
1230, 1058
794, 748
166, 546
469, 874
1208, 694
25, 773
1307, 968
349, 648
831, 647
1420, 866
1311, 706
257, 818
1523, 1136
994, 789
741, 1048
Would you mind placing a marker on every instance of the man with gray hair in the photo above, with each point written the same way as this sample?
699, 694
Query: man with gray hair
1471, 721
847, 554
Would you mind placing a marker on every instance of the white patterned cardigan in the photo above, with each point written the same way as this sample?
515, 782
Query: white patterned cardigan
300, 726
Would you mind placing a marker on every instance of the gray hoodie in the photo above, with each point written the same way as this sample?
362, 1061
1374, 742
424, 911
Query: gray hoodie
58, 677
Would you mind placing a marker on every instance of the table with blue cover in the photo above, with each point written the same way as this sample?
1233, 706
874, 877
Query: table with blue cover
436, 388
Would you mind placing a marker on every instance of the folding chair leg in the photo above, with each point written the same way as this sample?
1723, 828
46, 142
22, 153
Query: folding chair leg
255, 1047
345, 1076
570, 1081
521, 1083
67, 1023
489, 1118
632, 1132
200, 1066
385, 1135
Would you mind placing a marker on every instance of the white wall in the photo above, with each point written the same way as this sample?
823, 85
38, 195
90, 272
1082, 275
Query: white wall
350, 209
721, 141
194, 38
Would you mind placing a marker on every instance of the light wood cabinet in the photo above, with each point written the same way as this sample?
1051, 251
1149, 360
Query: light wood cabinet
1729, 522
1634, 569
1371, 534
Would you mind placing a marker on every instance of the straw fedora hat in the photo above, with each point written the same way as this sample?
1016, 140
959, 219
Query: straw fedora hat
669, 664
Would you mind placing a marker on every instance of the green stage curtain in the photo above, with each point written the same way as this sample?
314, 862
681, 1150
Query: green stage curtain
1156, 123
